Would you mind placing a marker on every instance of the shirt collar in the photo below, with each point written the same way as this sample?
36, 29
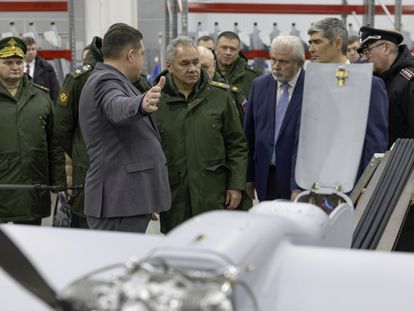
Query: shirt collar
291, 82
31, 64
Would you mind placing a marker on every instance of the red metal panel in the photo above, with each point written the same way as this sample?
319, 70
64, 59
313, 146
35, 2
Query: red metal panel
265, 8
265, 54
53, 54
33, 6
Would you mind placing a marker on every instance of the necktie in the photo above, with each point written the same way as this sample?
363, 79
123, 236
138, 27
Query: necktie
27, 69
280, 114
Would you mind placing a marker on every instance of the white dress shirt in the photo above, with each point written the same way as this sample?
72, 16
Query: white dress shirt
31, 65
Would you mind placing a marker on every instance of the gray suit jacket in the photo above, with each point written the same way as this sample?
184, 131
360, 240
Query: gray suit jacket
128, 169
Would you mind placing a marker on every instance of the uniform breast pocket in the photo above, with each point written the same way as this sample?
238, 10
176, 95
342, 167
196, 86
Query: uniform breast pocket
216, 124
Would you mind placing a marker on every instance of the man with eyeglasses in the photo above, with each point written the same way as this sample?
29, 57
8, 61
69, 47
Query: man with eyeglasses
232, 64
393, 63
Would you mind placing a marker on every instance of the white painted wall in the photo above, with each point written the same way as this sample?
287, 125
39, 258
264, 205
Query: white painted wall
100, 14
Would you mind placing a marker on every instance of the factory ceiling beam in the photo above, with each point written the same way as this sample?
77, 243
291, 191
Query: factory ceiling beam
33, 6
266, 8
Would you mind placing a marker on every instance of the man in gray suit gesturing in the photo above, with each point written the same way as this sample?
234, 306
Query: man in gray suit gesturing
127, 180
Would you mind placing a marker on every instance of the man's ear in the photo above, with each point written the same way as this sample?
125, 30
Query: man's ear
338, 43
130, 55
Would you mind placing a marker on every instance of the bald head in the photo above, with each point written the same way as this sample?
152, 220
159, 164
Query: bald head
207, 61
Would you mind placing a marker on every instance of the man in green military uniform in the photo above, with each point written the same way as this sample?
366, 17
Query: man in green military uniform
232, 64
29, 153
67, 127
202, 138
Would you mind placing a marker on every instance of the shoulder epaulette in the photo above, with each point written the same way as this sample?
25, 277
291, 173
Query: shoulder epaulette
252, 69
407, 73
41, 87
81, 70
220, 85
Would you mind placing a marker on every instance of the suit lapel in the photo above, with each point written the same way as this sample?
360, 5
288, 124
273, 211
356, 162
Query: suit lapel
37, 70
270, 101
151, 118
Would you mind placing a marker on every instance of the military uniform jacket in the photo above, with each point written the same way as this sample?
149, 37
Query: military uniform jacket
239, 99
67, 128
128, 173
241, 75
205, 146
399, 81
29, 153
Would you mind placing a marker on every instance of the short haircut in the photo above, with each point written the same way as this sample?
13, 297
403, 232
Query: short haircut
118, 37
353, 39
228, 35
184, 41
28, 41
203, 50
205, 38
293, 42
331, 28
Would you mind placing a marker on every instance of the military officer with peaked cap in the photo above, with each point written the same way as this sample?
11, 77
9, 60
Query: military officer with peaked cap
29, 153
393, 63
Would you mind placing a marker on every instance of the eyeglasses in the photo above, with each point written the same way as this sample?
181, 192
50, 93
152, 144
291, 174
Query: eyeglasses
366, 51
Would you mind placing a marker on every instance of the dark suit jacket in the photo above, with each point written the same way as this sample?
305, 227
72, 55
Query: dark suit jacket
128, 169
376, 136
44, 75
259, 129
259, 126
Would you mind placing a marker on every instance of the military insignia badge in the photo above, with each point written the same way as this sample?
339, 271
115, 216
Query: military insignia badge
220, 85
341, 75
12, 47
63, 98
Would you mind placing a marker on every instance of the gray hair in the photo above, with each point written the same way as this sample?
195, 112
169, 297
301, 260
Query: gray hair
331, 28
393, 47
293, 42
171, 52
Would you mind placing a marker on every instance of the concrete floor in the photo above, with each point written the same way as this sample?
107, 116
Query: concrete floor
153, 227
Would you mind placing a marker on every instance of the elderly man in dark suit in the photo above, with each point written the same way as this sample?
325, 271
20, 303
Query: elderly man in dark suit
272, 121
40, 70
127, 180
